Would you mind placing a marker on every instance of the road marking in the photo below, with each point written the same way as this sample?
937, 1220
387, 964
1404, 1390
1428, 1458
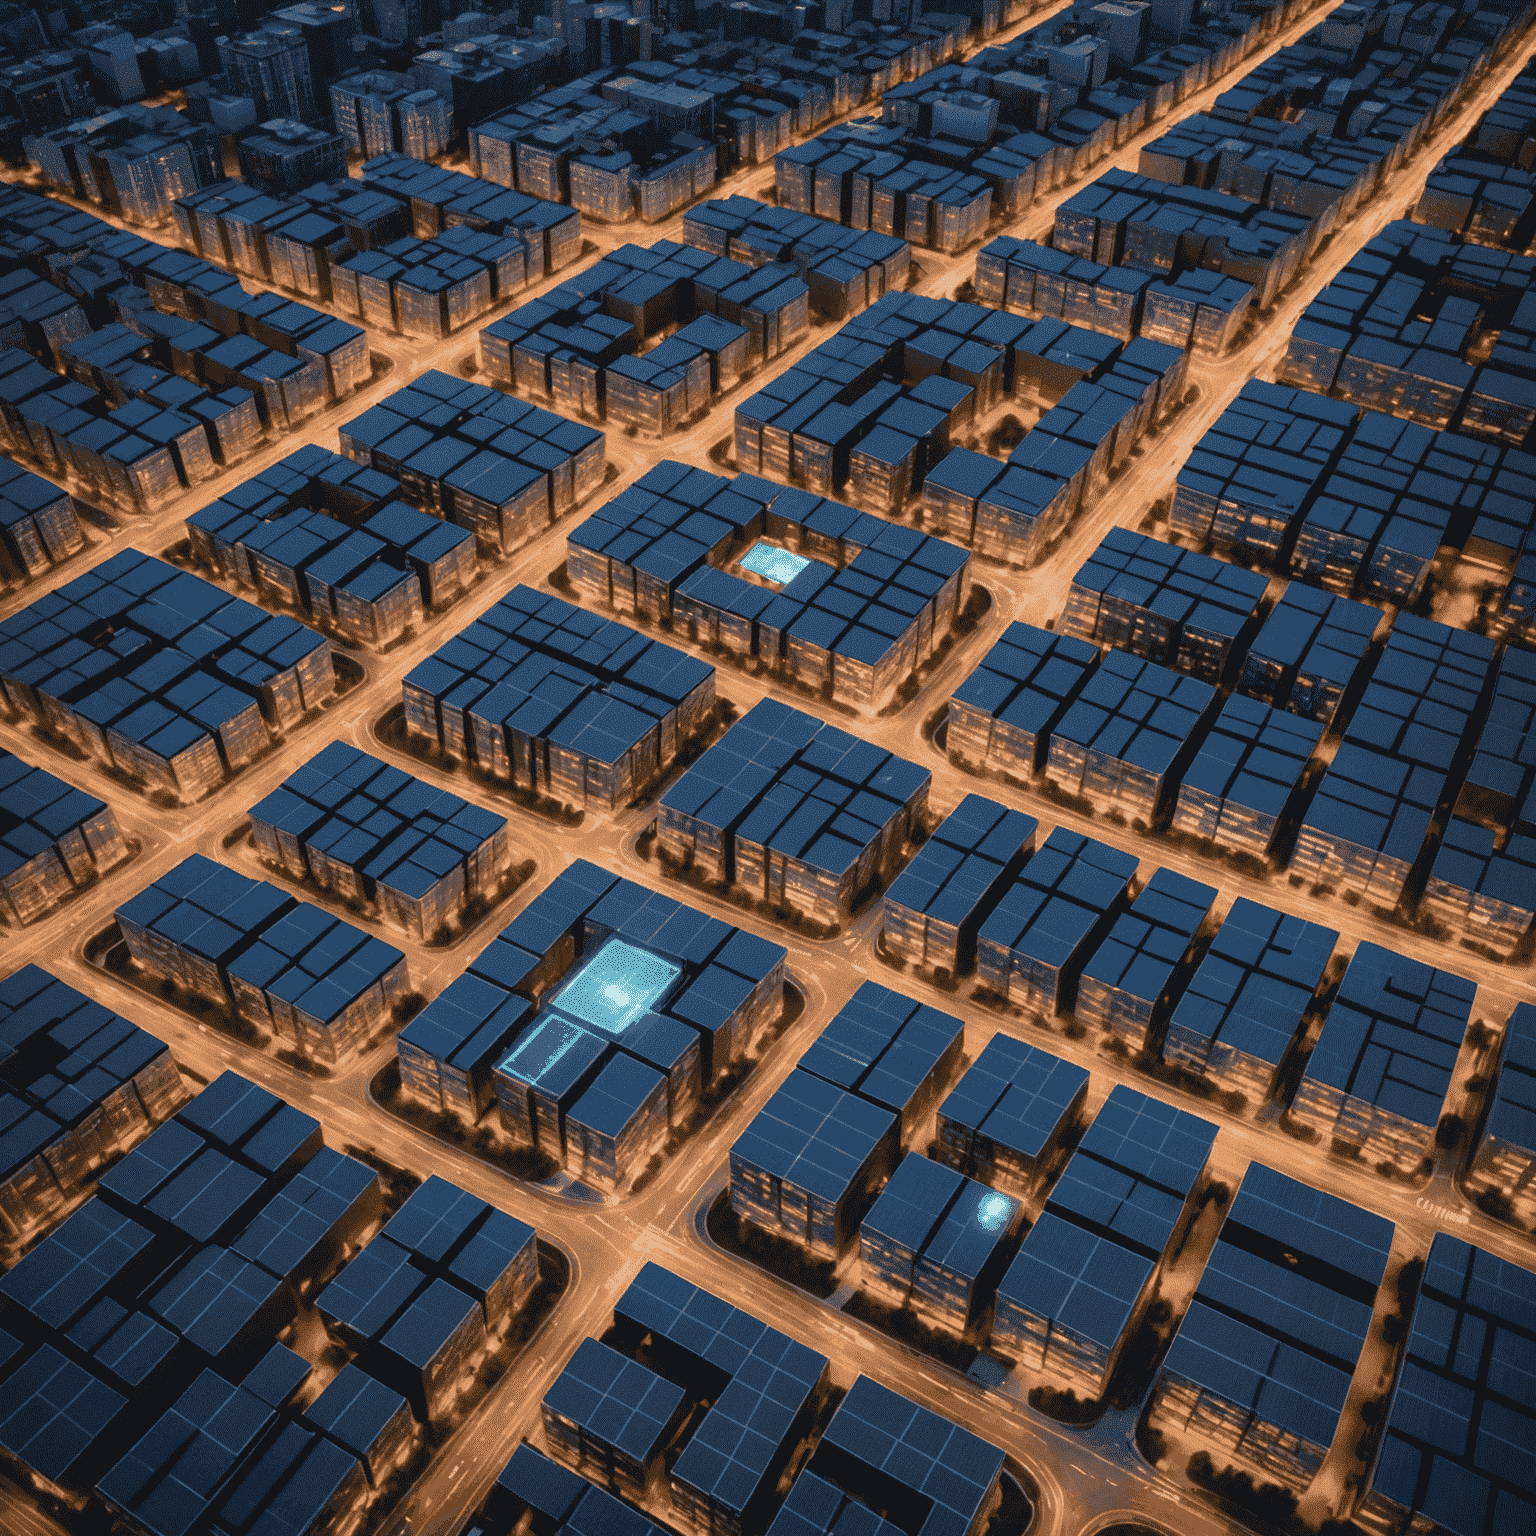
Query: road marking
1459, 1215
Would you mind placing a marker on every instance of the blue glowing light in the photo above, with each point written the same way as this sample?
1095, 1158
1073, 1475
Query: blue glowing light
993, 1212
616, 986
773, 564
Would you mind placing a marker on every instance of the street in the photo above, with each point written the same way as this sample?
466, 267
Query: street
1085, 1479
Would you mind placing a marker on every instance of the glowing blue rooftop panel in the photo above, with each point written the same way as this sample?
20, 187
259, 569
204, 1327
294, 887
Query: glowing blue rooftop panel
772, 563
617, 986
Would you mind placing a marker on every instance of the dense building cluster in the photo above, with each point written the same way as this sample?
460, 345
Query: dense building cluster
1033, 944
406, 253
1260, 627
1309, 652
1015, 120
158, 673
580, 344
367, 832
1129, 983
843, 269
1247, 1002
1473, 1312
1001, 717
1245, 779
871, 413
697, 1340
838, 602
54, 840
82, 1085
1089, 1264
1373, 807
1479, 882
1008, 1117
425, 1295
150, 369
1358, 501
594, 1024
1165, 604
1505, 1158
321, 534
559, 702
642, 141
1392, 330
1248, 190
793, 812
813, 1157
39, 523
934, 907
1377, 1077
467, 453
936, 1241
1262, 1362
167, 1358
284, 966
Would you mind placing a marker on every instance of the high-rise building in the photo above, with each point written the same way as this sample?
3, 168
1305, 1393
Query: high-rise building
284, 156
426, 124
168, 58
400, 21
135, 160
272, 68
328, 29
114, 61
1171, 19
467, 76
363, 106
49, 90
378, 112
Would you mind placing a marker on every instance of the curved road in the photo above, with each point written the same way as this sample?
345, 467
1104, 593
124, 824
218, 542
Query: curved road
1086, 1479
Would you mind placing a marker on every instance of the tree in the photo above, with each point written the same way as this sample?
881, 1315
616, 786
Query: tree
1450, 1131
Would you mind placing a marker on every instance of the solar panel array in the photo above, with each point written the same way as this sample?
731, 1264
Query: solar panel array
1070, 1294
795, 812
936, 1241
1032, 947
608, 1416
1456, 1452
161, 673
729, 1468
1129, 980
810, 1156
1124, 742
1508, 1146
887, 1049
1008, 1113
938, 1475
1379, 1072
559, 701
1001, 717
1244, 1006
1372, 810
935, 905
1245, 776
1263, 1358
